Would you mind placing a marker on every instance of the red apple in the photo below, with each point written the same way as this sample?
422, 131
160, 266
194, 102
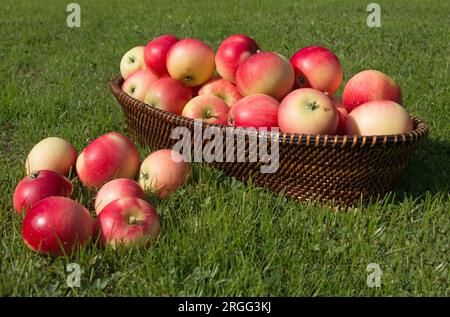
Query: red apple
379, 117
232, 52
370, 85
39, 185
191, 61
126, 221
108, 157
163, 172
221, 88
53, 154
138, 83
57, 226
115, 189
307, 111
207, 108
342, 112
317, 67
257, 111
265, 73
155, 53
168, 94
132, 61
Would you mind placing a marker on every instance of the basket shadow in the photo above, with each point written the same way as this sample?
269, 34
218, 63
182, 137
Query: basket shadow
428, 171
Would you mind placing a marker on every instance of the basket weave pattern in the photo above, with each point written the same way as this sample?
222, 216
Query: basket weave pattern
327, 168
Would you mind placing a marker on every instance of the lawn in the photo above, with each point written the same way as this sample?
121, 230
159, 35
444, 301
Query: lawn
220, 236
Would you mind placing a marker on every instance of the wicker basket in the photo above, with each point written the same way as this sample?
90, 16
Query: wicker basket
329, 168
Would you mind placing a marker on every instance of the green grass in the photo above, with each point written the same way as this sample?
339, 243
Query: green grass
219, 236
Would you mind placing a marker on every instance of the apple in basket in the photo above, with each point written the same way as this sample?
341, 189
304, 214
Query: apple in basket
39, 185
210, 109
191, 61
115, 189
257, 111
370, 85
132, 61
155, 53
57, 226
342, 112
307, 111
138, 83
168, 94
108, 157
127, 221
221, 88
163, 172
317, 67
379, 117
54, 154
232, 52
265, 73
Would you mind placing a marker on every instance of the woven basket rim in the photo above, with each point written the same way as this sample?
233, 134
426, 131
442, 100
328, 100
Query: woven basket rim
419, 131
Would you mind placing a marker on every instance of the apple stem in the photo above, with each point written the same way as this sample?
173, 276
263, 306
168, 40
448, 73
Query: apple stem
133, 221
34, 174
312, 105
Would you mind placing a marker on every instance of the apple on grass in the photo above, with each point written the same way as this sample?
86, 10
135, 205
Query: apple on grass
108, 157
221, 88
126, 221
39, 185
53, 154
265, 73
342, 112
307, 111
317, 67
210, 109
115, 189
168, 94
370, 85
155, 53
132, 61
138, 83
232, 52
57, 226
191, 61
163, 172
379, 117
257, 111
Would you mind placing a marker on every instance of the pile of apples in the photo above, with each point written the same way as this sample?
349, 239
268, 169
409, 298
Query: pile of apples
240, 85
54, 224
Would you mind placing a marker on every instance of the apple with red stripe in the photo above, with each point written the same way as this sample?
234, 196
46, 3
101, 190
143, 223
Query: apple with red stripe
168, 94
155, 53
57, 226
210, 109
232, 52
108, 157
132, 61
138, 83
256, 111
221, 88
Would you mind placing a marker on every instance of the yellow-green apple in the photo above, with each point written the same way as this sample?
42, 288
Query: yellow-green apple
126, 221
132, 61
379, 117
342, 112
155, 53
257, 111
307, 111
163, 172
317, 67
138, 83
191, 61
108, 157
207, 108
168, 94
221, 88
57, 226
115, 189
53, 154
232, 52
265, 73
370, 85
39, 185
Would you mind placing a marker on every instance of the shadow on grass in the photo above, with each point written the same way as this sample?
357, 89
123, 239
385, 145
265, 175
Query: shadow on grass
428, 171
